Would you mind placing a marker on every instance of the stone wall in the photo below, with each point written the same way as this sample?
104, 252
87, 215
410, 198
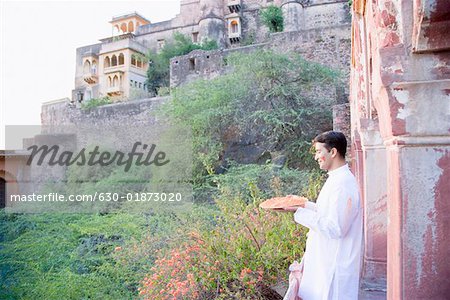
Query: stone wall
328, 46
203, 64
136, 112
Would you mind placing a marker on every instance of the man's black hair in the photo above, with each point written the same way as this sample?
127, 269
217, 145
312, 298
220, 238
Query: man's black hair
333, 139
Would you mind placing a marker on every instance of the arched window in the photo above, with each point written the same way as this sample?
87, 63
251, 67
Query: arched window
234, 26
94, 67
121, 59
116, 30
115, 81
86, 67
123, 27
107, 62
109, 81
113, 60
130, 26
139, 63
133, 60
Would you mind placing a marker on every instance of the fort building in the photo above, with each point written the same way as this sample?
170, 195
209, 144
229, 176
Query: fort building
116, 67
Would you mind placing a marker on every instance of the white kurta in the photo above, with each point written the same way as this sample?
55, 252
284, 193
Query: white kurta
333, 248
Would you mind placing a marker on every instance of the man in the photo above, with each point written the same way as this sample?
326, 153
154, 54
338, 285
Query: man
333, 247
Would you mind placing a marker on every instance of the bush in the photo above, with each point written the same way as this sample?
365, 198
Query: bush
95, 102
239, 250
272, 17
69, 256
280, 96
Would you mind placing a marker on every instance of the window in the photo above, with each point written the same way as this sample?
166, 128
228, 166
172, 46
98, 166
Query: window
133, 60
86, 67
192, 64
195, 37
115, 81
123, 27
234, 26
130, 26
107, 62
139, 63
116, 30
131, 83
121, 59
140, 85
113, 60
161, 44
80, 96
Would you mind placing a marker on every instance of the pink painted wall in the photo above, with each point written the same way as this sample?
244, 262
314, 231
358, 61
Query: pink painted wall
400, 104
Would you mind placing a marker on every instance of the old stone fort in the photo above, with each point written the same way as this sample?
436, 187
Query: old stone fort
317, 29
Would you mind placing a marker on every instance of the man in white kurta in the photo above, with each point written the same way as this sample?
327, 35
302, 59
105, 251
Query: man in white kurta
333, 248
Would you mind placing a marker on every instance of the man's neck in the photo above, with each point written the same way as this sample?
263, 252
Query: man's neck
337, 165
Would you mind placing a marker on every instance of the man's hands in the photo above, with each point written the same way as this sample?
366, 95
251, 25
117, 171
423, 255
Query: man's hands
293, 208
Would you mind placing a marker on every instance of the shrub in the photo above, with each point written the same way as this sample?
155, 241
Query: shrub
280, 96
95, 102
65, 255
272, 17
241, 249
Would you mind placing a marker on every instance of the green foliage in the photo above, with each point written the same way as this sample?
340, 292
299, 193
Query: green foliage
249, 38
163, 91
272, 17
55, 256
244, 180
242, 249
95, 102
281, 96
233, 249
84, 256
137, 93
159, 63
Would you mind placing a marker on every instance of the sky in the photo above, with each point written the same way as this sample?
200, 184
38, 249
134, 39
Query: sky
38, 40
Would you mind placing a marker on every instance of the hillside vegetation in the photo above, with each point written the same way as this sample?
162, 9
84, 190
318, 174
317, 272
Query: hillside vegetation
224, 246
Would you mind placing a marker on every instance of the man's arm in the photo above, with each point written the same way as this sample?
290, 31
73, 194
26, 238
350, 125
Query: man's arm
336, 222
308, 204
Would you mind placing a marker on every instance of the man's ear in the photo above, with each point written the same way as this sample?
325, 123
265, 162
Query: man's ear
334, 152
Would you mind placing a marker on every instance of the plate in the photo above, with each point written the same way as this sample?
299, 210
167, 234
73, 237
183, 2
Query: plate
279, 203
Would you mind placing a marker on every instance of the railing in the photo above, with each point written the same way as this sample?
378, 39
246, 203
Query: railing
90, 78
234, 6
114, 90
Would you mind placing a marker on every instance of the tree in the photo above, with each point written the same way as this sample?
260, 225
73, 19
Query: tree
280, 96
272, 17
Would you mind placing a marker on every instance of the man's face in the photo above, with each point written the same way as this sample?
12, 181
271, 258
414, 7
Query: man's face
323, 156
